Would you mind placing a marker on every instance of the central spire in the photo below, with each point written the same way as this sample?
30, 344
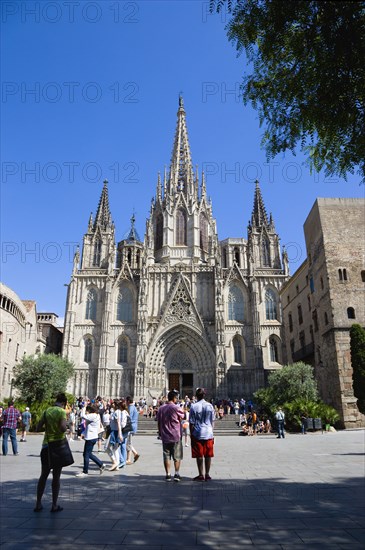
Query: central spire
103, 216
181, 165
259, 216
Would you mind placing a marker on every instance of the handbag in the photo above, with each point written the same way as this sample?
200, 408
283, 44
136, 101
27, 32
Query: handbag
128, 427
59, 452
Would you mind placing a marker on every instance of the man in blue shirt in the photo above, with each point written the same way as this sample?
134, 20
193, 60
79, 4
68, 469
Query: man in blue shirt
201, 432
133, 413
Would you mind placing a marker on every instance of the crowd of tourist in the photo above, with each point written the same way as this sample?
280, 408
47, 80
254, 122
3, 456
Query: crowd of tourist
109, 424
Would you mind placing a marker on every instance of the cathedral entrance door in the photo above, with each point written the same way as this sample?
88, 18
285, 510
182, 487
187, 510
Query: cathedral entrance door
174, 381
182, 382
187, 383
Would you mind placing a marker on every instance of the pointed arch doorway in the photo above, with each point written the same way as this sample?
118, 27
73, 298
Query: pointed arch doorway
180, 374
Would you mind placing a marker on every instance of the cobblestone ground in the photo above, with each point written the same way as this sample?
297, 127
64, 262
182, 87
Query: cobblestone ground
300, 492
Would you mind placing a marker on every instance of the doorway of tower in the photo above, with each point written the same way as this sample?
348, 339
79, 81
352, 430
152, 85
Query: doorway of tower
183, 382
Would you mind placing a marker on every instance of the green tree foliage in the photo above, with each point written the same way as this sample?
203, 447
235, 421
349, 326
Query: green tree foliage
308, 76
294, 389
41, 378
357, 339
292, 382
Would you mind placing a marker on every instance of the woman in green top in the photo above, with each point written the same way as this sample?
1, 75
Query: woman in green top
54, 421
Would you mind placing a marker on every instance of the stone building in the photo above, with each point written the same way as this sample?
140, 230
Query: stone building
180, 309
18, 334
50, 336
325, 296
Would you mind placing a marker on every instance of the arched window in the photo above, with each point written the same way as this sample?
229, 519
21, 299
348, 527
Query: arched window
273, 351
123, 351
125, 305
180, 227
271, 305
91, 305
203, 232
159, 232
129, 256
236, 255
265, 252
97, 253
88, 350
351, 313
237, 347
235, 304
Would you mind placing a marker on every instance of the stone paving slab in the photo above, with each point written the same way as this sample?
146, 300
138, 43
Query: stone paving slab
301, 492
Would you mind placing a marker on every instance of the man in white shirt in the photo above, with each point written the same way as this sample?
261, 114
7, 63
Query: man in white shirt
201, 421
280, 417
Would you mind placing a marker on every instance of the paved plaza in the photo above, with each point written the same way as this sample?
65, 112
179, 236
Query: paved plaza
301, 492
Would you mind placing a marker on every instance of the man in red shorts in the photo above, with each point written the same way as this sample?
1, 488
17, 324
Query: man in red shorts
201, 432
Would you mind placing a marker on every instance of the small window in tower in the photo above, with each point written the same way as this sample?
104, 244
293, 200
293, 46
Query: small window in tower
315, 320
322, 284
236, 253
123, 351
300, 314
265, 247
203, 232
273, 351
97, 253
237, 346
344, 275
125, 305
292, 343
88, 351
224, 257
180, 227
311, 284
302, 339
325, 318
351, 313
363, 275
235, 304
297, 289
271, 305
290, 320
309, 303
91, 305
129, 256
159, 232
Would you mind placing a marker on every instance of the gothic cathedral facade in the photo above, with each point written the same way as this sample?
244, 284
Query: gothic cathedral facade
180, 309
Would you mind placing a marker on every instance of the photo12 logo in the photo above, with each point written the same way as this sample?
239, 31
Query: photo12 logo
69, 11
69, 92
68, 172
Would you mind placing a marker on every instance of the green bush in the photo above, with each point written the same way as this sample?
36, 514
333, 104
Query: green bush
295, 390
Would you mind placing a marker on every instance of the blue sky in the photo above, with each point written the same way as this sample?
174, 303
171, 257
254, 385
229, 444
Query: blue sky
90, 91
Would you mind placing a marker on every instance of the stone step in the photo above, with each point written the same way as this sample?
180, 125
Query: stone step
228, 425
